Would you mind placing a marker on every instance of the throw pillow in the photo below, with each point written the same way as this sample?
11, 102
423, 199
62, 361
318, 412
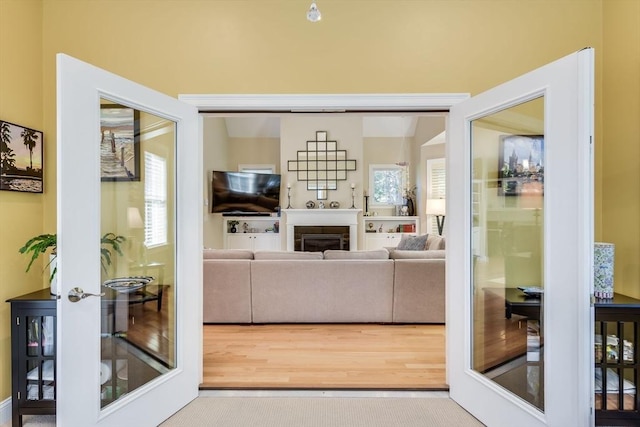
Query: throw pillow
435, 242
413, 243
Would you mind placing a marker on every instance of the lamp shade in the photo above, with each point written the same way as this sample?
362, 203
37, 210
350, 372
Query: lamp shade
436, 207
134, 219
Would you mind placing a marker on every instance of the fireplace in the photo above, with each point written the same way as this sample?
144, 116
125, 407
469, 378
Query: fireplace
343, 222
319, 238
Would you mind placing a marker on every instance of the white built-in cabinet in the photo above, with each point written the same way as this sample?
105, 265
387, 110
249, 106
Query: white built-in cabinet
387, 231
252, 233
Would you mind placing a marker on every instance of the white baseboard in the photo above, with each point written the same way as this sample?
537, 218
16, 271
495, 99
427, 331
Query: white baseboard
5, 411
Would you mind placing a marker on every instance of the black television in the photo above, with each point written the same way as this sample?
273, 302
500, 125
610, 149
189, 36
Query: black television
245, 192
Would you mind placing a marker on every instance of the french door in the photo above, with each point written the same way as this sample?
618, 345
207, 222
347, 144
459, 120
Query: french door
519, 321
129, 250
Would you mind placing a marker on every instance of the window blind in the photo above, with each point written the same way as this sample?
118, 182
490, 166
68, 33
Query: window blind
155, 200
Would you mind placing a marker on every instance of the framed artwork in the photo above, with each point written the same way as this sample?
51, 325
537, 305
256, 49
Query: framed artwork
119, 143
521, 167
20, 158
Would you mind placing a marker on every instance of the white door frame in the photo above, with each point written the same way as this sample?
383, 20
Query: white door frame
324, 103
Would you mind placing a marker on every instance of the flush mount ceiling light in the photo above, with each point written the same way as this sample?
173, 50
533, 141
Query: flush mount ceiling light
314, 14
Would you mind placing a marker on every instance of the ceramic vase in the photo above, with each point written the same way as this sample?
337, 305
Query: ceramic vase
603, 261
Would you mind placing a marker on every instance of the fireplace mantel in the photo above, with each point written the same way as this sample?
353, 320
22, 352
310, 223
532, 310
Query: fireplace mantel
346, 217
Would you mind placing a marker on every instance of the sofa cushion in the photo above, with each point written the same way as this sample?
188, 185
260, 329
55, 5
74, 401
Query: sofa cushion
435, 242
227, 254
226, 291
371, 254
403, 254
413, 243
286, 255
335, 291
419, 291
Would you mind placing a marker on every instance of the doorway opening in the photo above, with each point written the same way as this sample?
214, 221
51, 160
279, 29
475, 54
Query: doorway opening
392, 135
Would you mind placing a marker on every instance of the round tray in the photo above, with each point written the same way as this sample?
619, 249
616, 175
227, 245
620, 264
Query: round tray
128, 284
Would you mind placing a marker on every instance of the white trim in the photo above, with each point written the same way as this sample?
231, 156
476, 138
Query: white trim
346, 217
5, 411
325, 103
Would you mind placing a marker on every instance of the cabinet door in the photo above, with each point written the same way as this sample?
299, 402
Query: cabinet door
266, 241
239, 241
382, 240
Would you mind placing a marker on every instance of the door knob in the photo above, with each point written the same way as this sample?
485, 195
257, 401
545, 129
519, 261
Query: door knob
77, 294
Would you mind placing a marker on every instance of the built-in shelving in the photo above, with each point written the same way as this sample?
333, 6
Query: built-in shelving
251, 232
387, 231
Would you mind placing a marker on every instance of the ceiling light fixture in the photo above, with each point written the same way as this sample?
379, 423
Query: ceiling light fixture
314, 14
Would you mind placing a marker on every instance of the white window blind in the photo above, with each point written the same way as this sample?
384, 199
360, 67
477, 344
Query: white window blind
155, 200
436, 186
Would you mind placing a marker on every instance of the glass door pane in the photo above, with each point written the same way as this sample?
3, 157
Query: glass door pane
507, 202
138, 325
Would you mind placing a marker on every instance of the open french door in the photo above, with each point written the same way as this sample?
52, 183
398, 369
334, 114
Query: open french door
129, 250
520, 205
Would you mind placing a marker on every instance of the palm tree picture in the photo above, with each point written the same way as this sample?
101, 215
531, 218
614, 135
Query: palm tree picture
30, 138
20, 158
7, 156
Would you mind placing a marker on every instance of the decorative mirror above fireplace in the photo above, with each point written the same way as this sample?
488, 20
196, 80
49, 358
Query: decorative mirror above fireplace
321, 165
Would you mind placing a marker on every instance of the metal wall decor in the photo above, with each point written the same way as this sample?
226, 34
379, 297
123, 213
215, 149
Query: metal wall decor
321, 165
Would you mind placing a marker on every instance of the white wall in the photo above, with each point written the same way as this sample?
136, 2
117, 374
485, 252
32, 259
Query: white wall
296, 130
215, 157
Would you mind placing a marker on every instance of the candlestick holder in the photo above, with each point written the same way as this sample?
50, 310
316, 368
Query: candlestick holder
288, 198
353, 198
366, 205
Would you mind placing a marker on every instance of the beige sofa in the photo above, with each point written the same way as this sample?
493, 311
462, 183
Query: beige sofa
334, 287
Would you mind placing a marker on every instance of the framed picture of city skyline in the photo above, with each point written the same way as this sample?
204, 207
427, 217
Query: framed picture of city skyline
521, 165
21, 158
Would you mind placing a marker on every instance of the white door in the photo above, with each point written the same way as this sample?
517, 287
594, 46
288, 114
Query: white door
129, 216
525, 179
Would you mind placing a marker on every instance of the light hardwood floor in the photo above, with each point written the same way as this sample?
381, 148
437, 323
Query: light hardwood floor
331, 356
322, 356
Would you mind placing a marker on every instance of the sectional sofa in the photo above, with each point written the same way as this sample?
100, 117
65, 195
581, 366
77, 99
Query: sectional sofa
381, 286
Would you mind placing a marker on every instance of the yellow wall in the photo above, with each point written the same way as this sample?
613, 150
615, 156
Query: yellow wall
619, 147
20, 213
266, 46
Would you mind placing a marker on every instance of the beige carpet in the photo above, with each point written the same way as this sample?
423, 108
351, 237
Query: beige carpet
310, 412
321, 412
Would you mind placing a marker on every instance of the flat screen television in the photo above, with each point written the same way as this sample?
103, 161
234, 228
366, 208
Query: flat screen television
245, 192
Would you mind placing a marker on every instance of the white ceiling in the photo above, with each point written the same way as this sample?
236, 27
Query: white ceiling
373, 126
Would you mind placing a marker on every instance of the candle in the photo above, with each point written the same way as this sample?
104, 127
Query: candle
288, 185
353, 185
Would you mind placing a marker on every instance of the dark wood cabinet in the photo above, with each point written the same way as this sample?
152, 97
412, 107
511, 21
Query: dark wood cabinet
617, 363
33, 355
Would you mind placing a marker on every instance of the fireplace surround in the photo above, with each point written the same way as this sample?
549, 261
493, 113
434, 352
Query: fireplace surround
322, 222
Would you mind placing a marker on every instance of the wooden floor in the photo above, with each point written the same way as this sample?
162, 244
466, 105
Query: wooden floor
332, 356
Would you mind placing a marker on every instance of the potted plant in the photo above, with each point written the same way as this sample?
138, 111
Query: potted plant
233, 225
38, 245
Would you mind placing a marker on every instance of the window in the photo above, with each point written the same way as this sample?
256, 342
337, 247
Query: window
385, 184
155, 200
436, 186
